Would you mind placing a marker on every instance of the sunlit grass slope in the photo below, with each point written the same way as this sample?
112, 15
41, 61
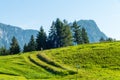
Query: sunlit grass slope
100, 61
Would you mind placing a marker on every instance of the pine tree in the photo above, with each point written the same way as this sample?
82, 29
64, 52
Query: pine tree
32, 44
14, 46
110, 39
4, 51
52, 41
67, 35
59, 32
41, 39
84, 36
102, 39
76, 33
25, 48
63, 34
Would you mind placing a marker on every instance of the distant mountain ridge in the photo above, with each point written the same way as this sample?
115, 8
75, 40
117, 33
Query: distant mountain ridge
23, 36
8, 31
92, 30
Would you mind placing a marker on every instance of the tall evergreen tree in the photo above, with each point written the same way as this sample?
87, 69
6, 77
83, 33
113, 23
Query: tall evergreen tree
14, 46
76, 33
63, 36
84, 36
25, 48
59, 32
41, 39
52, 41
32, 44
67, 35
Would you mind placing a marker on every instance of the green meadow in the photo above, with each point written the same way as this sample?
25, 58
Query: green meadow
98, 61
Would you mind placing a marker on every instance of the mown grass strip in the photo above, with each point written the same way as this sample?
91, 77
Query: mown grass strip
49, 61
49, 68
44, 58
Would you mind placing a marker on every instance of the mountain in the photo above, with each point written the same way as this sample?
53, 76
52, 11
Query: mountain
92, 30
8, 31
23, 36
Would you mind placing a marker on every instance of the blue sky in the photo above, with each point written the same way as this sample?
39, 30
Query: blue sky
31, 14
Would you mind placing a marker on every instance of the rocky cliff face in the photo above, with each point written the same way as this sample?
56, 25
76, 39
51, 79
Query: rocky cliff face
8, 31
92, 29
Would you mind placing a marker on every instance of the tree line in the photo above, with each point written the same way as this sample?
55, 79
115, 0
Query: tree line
61, 34
107, 40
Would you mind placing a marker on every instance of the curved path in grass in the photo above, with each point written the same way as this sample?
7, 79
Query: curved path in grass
49, 65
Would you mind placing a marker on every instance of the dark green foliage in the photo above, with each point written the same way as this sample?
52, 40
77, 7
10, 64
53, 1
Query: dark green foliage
14, 46
107, 40
60, 34
84, 36
77, 33
110, 39
102, 39
64, 37
67, 35
25, 48
32, 44
51, 41
41, 40
4, 51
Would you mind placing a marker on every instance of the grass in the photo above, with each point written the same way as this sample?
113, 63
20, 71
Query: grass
9, 77
98, 61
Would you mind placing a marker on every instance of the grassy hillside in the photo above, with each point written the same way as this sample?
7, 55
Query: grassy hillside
98, 61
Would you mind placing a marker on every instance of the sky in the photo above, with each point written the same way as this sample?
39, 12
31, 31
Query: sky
32, 14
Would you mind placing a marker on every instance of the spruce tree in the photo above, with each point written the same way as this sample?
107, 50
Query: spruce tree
67, 35
59, 32
52, 41
76, 33
25, 48
32, 44
102, 39
4, 51
14, 46
84, 36
41, 39
110, 39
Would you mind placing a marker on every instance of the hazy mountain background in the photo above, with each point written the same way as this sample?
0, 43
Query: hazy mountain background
23, 36
8, 31
94, 33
